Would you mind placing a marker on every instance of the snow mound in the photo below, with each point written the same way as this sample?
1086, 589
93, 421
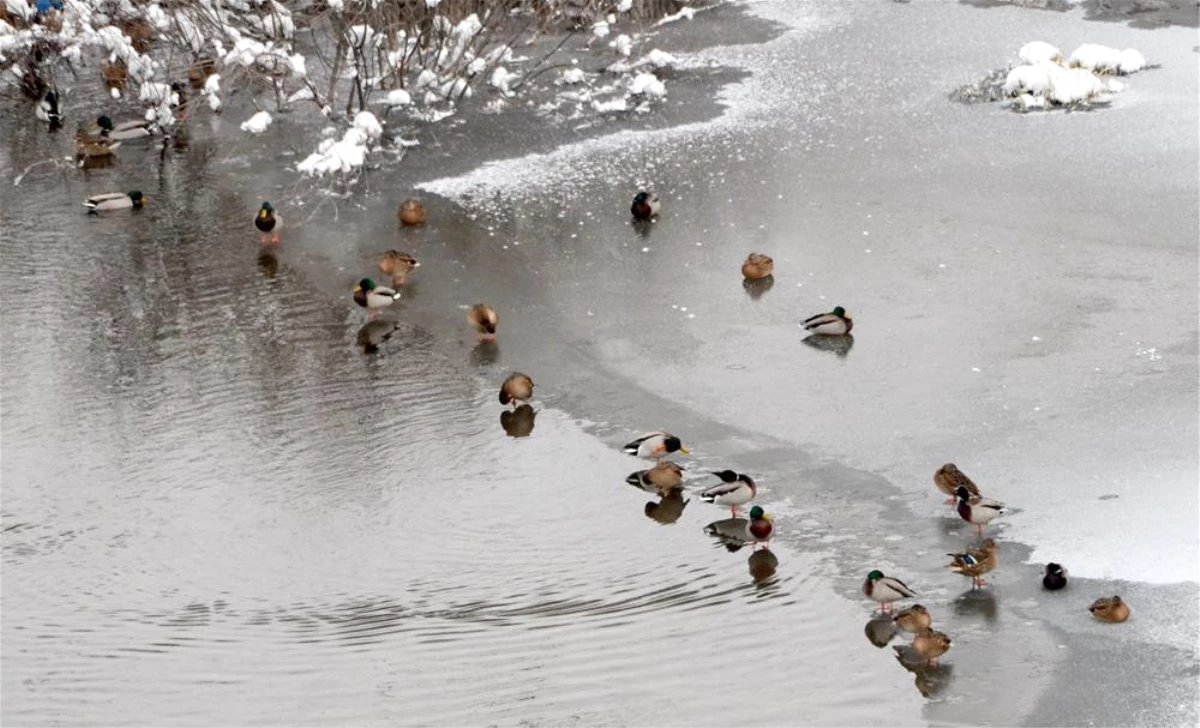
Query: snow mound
258, 123
396, 97
572, 76
343, 155
647, 84
1039, 52
368, 124
1102, 59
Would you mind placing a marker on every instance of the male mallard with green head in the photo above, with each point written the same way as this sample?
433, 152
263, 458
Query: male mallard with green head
757, 267
914, 619
761, 524
645, 205
397, 266
885, 589
115, 201
517, 389
655, 445
1110, 609
268, 223
735, 489
374, 298
975, 562
835, 323
949, 479
977, 510
484, 320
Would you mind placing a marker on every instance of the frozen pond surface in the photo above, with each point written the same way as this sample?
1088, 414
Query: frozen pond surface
217, 509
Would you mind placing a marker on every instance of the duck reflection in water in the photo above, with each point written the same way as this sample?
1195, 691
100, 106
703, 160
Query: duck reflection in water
880, 630
485, 354
763, 565
930, 680
518, 422
976, 602
756, 288
268, 263
669, 508
374, 333
840, 345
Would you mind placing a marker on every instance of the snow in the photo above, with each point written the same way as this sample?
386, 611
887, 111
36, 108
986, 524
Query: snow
1102, 59
623, 45
368, 124
501, 79
212, 85
600, 29
659, 59
618, 104
396, 97
1034, 79
343, 155
684, 13
1039, 52
573, 76
649, 85
299, 67
258, 123
304, 94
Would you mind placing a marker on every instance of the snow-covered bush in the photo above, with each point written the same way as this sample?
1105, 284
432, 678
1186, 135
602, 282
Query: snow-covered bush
1044, 81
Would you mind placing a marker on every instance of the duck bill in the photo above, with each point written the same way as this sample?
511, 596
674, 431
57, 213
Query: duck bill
684, 450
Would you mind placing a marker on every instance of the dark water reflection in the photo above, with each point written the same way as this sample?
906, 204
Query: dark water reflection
880, 630
977, 603
839, 345
518, 422
756, 288
669, 508
485, 354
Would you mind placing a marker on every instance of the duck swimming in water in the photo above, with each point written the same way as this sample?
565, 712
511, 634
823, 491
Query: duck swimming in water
268, 223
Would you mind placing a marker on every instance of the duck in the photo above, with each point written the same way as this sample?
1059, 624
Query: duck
373, 297
47, 110
664, 477
977, 510
517, 389
949, 479
931, 644
885, 589
1055, 577
411, 212
114, 73
87, 146
757, 267
735, 489
1110, 609
645, 205
268, 223
835, 323
132, 129
655, 444
975, 562
397, 266
913, 619
484, 320
761, 524
115, 201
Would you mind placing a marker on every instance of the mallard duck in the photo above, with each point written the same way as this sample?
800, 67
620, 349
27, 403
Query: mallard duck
663, 477
735, 489
761, 524
397, 266
975, 562
268, 223
1055, 577
517, 389
115, 201
655, 445
757, 266
132, 129
114, 74
914, 619
484, 320
645, 205
885, 589
1109, 609
47, 110
930, 644
199, 72
518, 422
835, 323
669, 507
949, 479
978, 510
373, 297
87, 146
411, 212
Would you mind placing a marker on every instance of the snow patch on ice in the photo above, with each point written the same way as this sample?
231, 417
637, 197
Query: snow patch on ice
258, 123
